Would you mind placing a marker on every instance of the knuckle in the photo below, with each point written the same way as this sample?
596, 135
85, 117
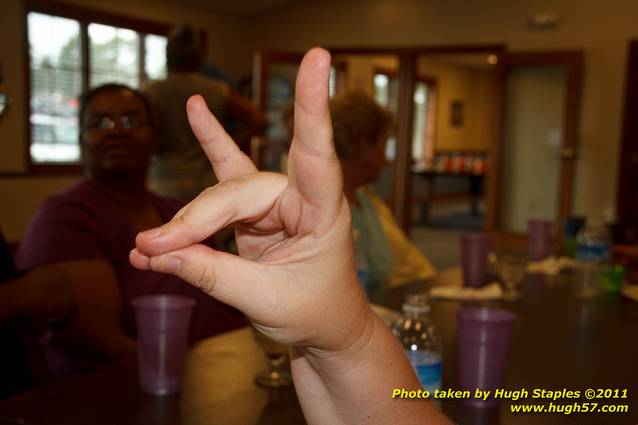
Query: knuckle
205, 278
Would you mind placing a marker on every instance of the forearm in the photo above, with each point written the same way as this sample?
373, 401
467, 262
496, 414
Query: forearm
355, 386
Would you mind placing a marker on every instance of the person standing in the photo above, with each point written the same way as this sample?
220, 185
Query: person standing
180, 169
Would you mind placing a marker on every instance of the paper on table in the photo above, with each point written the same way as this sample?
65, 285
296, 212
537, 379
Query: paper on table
491, 291
630, 291
551, 265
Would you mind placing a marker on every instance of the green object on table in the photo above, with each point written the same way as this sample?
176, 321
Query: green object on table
570, 247
611, 278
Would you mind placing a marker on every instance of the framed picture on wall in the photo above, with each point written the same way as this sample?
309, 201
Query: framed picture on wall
456, 113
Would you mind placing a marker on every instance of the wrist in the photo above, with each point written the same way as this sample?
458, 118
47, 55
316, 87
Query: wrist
352, 344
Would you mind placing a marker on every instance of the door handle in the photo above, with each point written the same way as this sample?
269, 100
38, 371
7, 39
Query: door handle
568, 153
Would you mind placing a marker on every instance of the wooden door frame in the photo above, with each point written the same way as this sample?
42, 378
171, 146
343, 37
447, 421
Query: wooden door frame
407, 76
262, 62
624, 209
573, 60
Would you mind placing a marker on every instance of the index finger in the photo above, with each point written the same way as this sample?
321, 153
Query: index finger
227, 159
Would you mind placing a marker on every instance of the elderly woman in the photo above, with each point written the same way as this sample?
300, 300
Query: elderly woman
361, 128
89, 230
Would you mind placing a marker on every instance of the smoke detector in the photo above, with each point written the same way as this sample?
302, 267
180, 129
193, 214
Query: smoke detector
543, 21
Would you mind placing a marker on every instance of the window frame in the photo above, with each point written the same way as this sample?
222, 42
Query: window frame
84, 16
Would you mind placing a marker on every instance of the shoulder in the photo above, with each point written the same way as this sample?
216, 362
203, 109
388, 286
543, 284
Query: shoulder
82, 193
368, 193
210, 86
66, 226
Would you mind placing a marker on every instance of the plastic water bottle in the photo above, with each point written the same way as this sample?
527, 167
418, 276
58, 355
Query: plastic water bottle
593, 247
420, 340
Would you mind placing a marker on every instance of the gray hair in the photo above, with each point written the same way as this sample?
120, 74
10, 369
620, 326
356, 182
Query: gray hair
355, 114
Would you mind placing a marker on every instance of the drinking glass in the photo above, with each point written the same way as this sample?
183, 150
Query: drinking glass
483, 341
474, 251
511, 269
278, 372
163, 323
539, 239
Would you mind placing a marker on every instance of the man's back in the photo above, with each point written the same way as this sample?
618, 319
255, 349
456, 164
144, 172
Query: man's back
181, 168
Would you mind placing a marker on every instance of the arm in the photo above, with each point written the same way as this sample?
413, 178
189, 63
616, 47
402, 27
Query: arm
295, 276
96, 323
41, 293
88, 288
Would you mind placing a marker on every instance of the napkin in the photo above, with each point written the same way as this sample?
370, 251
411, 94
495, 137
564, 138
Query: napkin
551, 265
492, 291
630, 291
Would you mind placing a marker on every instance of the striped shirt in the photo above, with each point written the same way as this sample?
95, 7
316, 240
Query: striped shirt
180, 169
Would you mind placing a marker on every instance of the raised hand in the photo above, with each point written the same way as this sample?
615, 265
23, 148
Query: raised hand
294, 276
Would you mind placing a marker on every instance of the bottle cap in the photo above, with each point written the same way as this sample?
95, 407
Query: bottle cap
595, 220
416, 304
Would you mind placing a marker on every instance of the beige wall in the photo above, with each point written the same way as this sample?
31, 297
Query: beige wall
227, 46
602, 29
471, 85
360, 70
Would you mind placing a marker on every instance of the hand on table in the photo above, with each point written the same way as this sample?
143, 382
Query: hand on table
294, 276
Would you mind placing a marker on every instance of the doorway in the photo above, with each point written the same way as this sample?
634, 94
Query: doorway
466, 141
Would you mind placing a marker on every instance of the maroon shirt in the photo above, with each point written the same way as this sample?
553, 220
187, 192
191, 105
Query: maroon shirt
82, 223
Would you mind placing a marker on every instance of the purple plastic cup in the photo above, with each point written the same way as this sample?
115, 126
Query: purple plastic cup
474, 251
483, 338
163, 322
539, 239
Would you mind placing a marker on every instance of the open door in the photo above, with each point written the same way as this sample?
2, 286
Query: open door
627, 195
532, 158
274, 75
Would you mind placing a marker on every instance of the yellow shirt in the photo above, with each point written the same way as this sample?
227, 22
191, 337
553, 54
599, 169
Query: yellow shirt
408, 262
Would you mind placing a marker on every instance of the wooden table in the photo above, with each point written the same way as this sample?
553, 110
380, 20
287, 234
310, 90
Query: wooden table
558, 342
429, 193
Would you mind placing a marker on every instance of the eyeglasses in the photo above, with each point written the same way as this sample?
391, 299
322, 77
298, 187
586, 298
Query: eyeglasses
126, 122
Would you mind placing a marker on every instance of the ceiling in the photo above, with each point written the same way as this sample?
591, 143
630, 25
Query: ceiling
237, 7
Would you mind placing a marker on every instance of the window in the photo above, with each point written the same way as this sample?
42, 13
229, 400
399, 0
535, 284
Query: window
386, 94
424, 122
69, 54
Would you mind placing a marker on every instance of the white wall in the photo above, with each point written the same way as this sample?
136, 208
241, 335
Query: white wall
601, 28
531, 157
